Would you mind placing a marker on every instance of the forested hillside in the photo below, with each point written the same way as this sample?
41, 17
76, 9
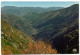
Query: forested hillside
66, 21
60, 23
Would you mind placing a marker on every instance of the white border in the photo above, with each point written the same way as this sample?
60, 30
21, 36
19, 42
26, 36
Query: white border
39, 0
0, 27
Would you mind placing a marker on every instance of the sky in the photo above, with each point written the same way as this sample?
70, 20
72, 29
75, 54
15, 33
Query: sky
39, 4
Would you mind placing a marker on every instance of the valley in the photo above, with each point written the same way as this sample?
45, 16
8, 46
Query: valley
55, 28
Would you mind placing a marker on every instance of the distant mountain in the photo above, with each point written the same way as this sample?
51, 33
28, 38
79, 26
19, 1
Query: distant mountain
14, 41
21, 11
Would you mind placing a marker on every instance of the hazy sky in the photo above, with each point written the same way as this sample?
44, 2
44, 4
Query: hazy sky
39, 4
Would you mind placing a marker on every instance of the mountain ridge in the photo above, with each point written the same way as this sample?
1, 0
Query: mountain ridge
21, 11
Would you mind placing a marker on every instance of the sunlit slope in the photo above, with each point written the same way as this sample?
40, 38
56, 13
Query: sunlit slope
14, 41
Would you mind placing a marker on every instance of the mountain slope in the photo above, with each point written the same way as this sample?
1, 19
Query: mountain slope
53, 30
14, 41
19, 23
39, 20
60, 22
67, 41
